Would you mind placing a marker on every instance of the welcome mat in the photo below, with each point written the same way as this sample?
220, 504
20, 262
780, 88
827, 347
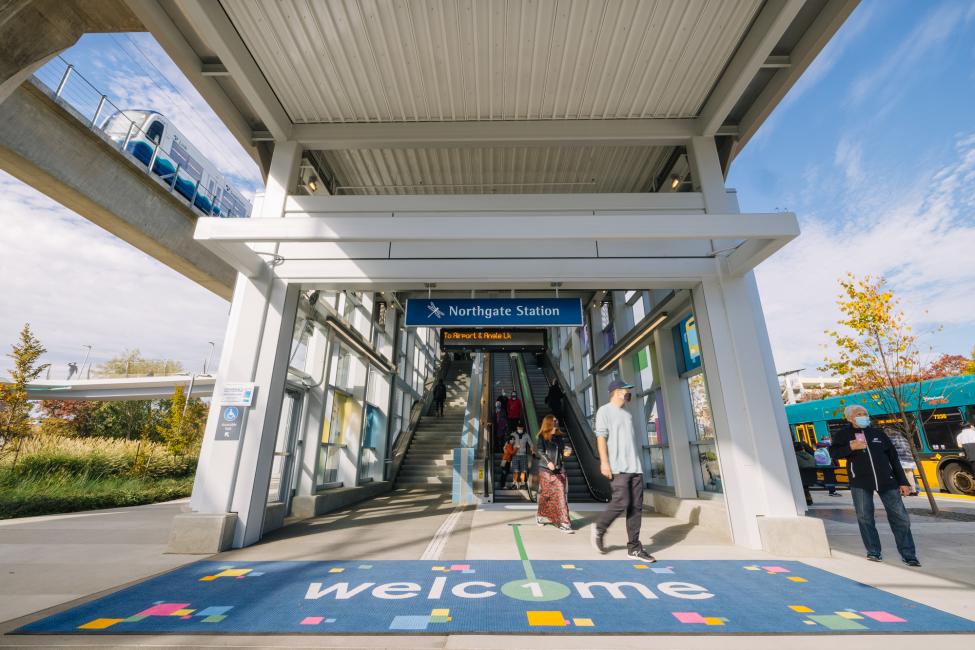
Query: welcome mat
492, 596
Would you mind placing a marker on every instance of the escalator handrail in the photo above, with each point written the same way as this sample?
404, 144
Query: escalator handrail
578, 425
531, 417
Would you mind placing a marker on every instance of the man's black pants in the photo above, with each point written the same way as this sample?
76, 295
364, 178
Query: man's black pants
627, 498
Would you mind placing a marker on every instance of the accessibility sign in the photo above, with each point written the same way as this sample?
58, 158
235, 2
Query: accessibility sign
494, 312
231, 423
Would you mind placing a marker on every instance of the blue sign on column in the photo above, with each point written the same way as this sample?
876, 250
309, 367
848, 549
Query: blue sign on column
494, 312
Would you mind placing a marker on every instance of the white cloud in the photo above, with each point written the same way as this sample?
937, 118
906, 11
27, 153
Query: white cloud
174, 96
922, 239
849, 157
887, 81
76, 284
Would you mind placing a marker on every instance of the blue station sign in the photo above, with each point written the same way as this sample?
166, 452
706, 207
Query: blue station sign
494, 312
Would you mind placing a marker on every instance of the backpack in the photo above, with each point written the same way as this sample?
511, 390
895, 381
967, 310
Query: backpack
805, 459
823, 459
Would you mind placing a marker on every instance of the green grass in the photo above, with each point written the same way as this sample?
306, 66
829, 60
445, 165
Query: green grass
57, 475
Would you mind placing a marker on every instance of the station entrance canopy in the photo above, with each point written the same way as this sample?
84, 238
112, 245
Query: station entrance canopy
518, 145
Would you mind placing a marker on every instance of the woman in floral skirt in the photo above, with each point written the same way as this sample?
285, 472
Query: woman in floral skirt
553, 505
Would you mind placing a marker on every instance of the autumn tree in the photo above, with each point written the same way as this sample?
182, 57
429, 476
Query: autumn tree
182, 426
15, 424
68, 417
876, 349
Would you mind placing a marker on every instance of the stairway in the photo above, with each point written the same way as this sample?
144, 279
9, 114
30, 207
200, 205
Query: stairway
578, 491
429, 458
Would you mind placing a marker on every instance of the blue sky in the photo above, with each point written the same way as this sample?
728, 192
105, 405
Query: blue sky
874, 149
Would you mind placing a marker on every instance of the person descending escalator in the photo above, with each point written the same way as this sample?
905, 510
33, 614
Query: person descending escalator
514, 408
439, 396
554, 398
500, 423
519, 462
553, 487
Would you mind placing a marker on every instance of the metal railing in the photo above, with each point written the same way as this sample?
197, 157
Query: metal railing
89, 105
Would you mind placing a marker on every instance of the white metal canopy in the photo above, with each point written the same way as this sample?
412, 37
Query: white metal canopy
508, 96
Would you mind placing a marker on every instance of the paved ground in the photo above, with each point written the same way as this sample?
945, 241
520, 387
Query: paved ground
46, 562
944, 546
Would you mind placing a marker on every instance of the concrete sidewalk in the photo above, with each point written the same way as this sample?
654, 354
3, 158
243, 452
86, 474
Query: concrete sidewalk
59, 559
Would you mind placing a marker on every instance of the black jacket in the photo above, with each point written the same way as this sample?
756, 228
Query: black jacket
554, 397
874, 468
550, 452
440, 392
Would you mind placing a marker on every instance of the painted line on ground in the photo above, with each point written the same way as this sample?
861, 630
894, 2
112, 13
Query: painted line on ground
439, 541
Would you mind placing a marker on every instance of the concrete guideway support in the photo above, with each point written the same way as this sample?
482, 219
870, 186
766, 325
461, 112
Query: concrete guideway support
33, 31
45, 146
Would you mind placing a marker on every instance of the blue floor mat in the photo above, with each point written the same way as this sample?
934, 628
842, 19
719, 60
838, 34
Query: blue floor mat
499, 597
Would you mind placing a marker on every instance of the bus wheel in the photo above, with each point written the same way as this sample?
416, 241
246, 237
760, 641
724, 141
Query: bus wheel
959, 479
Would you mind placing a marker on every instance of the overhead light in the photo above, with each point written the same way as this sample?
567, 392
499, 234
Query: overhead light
661, 317
312, 183
674, 182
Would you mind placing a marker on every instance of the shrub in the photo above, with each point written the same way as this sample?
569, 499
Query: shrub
98, 458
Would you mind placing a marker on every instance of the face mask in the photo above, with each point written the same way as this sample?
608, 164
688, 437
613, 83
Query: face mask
862, 421
628, 397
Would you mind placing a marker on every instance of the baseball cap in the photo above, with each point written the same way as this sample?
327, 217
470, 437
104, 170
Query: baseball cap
618, 384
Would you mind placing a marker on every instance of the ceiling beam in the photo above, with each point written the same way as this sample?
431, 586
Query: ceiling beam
216, 29
169, 36
777, 61
214, 70
768, 27
814, 39
628, 132
677, 202
499, 228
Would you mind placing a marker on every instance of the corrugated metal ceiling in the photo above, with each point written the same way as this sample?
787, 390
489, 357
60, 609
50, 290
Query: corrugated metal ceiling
503, 170
433, 60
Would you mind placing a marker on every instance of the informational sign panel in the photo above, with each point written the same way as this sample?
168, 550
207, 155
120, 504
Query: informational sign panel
231, 423
493, 312
237, 394
493, 340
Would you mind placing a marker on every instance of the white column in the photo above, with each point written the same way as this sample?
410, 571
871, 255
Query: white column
260, 430
214, 480
757, 474
313, 416
675, 414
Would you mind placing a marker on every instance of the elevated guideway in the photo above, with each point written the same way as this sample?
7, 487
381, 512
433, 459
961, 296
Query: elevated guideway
120, 388
51, 147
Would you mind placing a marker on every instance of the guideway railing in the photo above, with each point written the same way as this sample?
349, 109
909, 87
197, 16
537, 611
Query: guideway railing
84, 101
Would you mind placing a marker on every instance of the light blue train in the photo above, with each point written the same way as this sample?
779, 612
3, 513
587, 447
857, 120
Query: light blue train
153, 140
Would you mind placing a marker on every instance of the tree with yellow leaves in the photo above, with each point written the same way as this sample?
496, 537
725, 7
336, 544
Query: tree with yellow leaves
876, 349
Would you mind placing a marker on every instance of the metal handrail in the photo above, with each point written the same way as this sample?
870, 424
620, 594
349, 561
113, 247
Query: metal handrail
60, 95
587, 455
402, 441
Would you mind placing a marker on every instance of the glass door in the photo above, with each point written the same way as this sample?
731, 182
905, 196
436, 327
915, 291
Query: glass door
285, 447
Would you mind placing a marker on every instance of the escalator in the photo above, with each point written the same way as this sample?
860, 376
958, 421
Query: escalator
503, 378
582, 468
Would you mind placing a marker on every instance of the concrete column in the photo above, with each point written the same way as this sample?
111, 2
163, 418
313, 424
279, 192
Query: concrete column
675, 414
313, 415
756, 471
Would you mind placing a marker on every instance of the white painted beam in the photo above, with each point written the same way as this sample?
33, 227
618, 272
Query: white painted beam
613, 273
605, 203
752, 253
214, 70
213, 25
488, 133
778, 61
809, 45
501, 227
169, 36
774, 18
